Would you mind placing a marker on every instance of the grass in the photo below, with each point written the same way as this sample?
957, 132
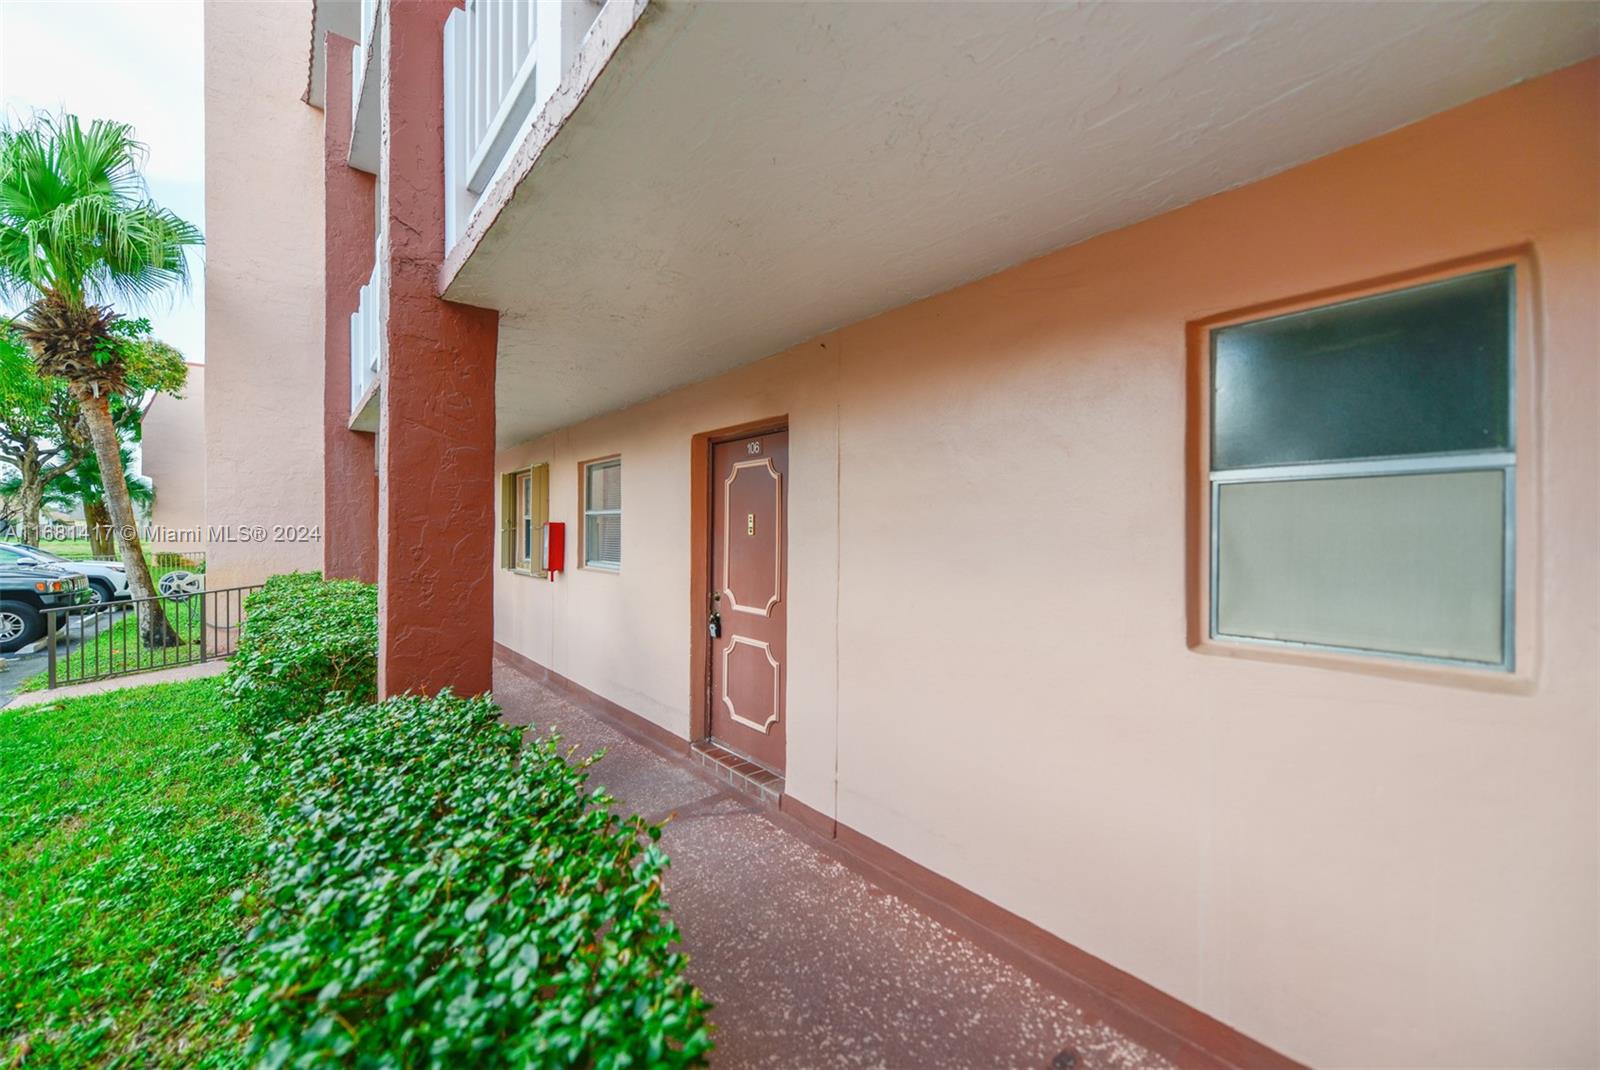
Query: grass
125, 829
78, 549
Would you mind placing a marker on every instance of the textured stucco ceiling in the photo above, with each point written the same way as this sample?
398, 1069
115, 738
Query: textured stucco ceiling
745, 176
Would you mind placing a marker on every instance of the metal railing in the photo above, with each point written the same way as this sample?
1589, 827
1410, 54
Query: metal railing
103, 641
191, 560
366, 75
160, 560
489, 89
358, 65
367, 328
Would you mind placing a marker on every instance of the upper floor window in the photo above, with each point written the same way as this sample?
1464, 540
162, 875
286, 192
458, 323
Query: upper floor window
1362, 469
602, 513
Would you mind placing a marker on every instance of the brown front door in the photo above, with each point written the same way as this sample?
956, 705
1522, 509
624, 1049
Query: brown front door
749, 593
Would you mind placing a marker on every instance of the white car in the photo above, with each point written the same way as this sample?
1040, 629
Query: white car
107, 579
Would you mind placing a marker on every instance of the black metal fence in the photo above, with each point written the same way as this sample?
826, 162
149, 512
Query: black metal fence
192, 560
160, 560
106, 640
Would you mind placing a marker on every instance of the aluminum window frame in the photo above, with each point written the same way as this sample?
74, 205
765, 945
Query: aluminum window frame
525, 519
1503, 461
589, 561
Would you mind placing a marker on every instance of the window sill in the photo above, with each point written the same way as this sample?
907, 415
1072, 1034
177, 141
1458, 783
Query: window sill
529, 573
1397, 667
610, 570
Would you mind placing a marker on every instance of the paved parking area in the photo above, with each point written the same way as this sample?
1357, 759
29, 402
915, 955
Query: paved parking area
18, 668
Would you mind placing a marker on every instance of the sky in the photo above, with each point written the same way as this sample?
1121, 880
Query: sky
138, 61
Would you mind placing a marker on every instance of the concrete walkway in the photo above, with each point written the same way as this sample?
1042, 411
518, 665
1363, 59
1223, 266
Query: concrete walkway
810, 964
120, 683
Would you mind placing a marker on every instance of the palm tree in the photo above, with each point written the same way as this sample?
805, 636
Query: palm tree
81, 488
79, 232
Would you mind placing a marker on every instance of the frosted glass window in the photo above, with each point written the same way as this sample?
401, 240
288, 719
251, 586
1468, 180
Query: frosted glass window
1409, 564
602, 514
1417, 371
1363, 465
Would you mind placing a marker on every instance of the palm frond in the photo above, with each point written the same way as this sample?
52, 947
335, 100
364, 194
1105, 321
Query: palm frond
76, 219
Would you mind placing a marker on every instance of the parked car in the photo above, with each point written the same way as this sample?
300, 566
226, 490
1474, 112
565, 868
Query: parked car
26, 591
108, 580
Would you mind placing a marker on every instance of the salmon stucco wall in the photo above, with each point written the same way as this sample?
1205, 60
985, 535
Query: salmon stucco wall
264, 300
435, 441
990, 669
349, 463
172, 454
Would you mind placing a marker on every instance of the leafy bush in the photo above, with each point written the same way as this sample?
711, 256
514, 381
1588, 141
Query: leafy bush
437, 894
306, 641
425, 889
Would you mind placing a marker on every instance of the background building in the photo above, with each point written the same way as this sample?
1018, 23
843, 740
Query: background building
172, 455
263, 294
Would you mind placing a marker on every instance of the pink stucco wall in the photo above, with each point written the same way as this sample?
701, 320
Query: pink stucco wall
991, 670
264, 301
172, 454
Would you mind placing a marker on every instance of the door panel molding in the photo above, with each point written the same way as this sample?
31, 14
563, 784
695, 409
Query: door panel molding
777, 682
727, 534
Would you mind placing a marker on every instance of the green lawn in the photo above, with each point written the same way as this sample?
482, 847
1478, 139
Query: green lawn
78, 549
125, 829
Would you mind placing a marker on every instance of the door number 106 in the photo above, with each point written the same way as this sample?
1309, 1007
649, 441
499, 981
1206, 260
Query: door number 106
753, 447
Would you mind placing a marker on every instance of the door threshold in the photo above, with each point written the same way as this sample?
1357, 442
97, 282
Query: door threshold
737, 771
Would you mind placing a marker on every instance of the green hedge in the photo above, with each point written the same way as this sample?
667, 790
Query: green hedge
305, 640
437, 893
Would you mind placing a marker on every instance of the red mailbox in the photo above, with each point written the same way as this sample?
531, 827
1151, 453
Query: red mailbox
553, 548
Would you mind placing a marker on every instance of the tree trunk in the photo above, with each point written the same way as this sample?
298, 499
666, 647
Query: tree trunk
29, 499
98, 520
153, 626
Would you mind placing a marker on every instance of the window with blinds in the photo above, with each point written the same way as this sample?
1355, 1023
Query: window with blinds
524, 509
602, 514
1362, 474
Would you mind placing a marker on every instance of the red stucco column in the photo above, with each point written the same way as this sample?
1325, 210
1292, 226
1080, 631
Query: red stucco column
436, 428
350, 479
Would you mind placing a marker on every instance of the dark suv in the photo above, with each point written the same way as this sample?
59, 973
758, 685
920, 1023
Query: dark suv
26, 591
